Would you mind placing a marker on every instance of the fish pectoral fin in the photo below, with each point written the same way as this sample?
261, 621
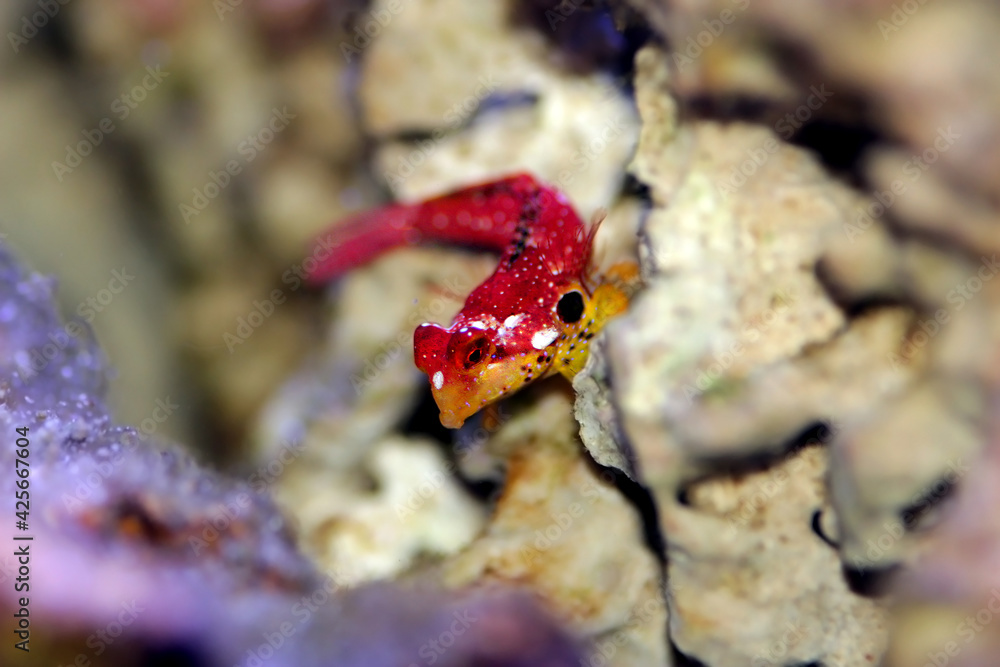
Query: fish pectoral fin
609, 301
625, 276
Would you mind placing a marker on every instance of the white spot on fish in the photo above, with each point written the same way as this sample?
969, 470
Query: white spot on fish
542, 339
512, 321
477, 325
438, 380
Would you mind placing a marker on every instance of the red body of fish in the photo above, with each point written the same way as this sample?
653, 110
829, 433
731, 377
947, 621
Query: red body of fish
533, 317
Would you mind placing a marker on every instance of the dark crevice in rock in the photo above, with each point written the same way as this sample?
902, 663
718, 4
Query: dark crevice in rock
587, 34
840, 146
817, 528
912, 516
173, 655
852, 305
818, 433
644, 503
425, 419
681, 660
870, 581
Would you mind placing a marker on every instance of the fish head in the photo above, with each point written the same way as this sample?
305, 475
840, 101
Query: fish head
477, 361
483, 357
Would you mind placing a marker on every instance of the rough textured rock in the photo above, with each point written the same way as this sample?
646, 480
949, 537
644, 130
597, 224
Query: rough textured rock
734, 350
498, 104
751, 582
905, 273
366, 499
141, 555
54, 217
895, 57
563, 529
377, 504
805, 385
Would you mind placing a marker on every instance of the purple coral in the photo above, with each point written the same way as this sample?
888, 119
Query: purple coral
139, 553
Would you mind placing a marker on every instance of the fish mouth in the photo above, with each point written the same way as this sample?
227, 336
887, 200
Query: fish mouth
461, 398
450, 419
455, 405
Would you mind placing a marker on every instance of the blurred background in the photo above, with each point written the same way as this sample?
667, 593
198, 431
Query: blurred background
198, 147
119, 121
815, 181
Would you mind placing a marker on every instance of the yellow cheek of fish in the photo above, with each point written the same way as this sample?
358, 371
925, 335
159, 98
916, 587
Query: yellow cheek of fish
460, 400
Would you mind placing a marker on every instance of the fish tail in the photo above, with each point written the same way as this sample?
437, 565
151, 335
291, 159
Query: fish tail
486, 216
361, 238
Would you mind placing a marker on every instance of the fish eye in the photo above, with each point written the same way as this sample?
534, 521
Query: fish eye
570, 307
470, 352
476, 351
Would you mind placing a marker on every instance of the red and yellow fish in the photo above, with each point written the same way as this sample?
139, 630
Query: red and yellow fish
534, 317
